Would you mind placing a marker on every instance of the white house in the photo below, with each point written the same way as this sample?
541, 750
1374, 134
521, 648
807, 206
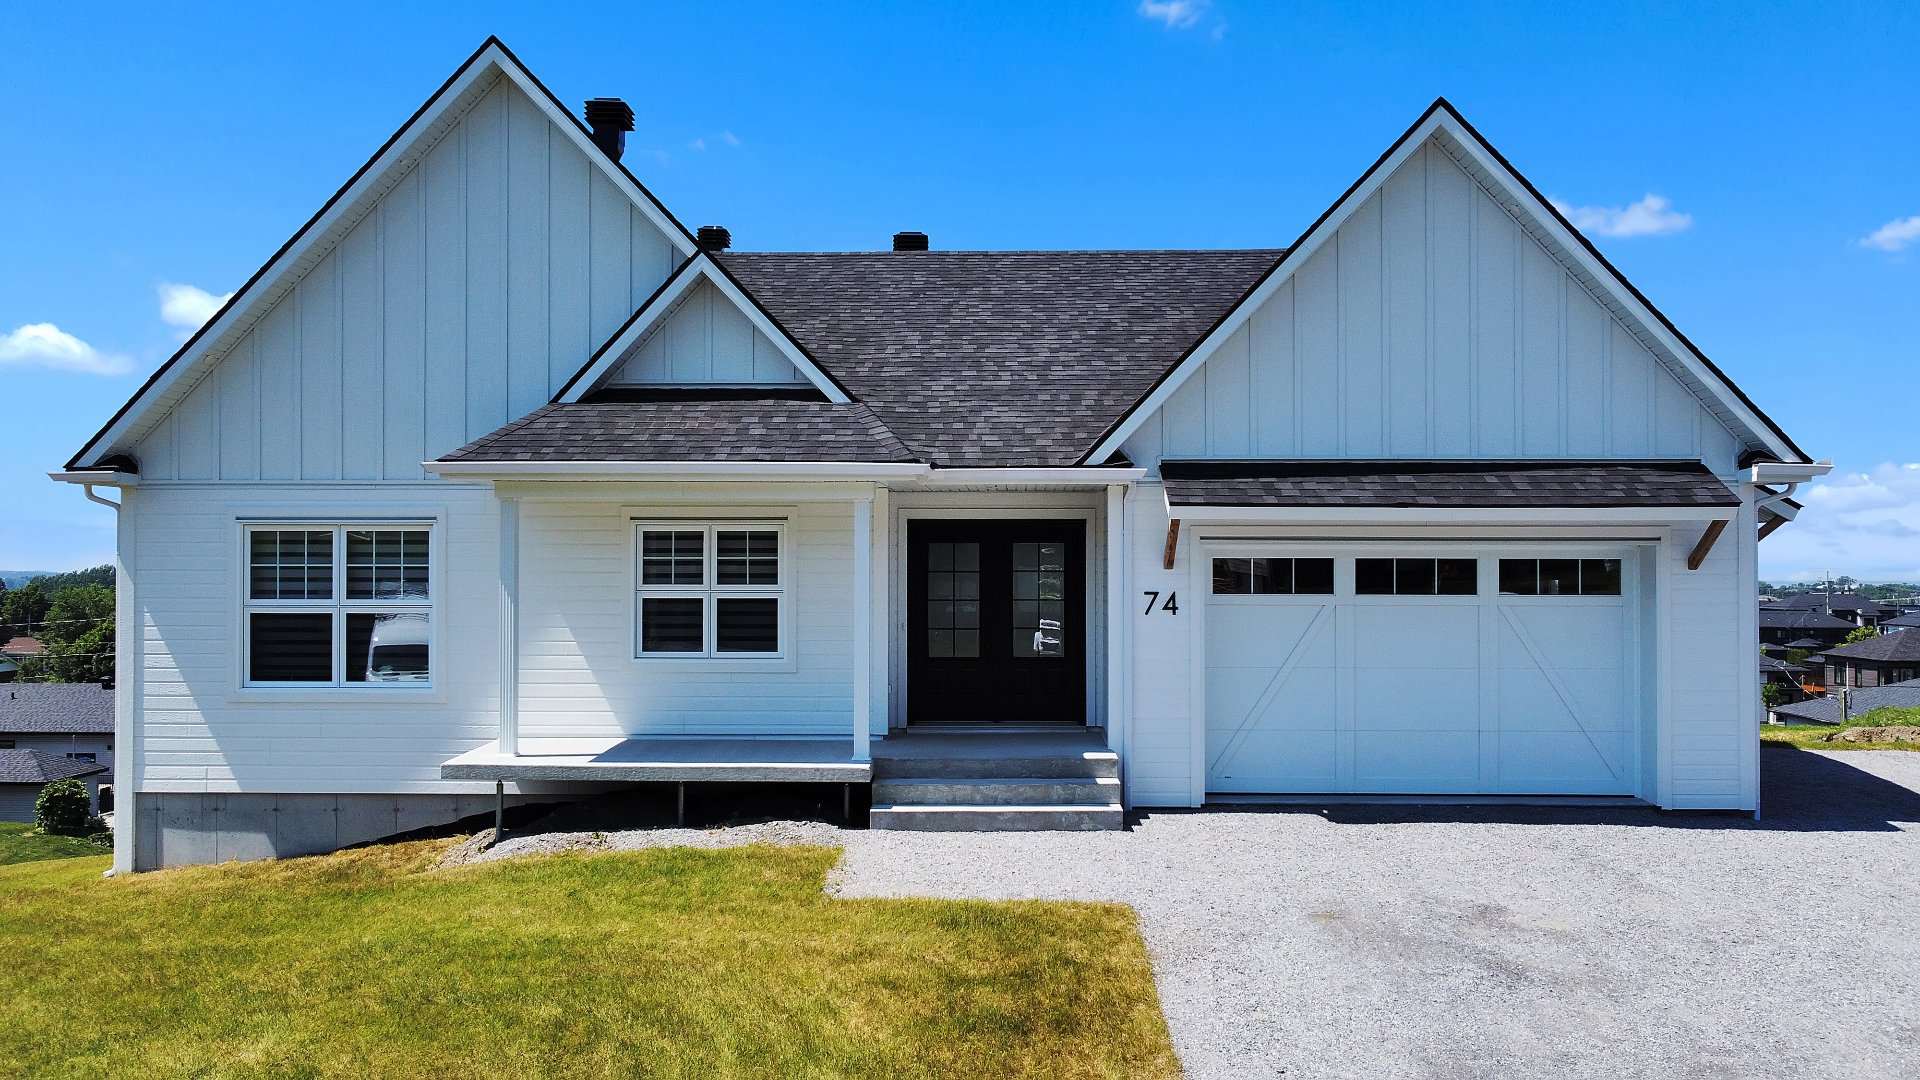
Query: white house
497, 474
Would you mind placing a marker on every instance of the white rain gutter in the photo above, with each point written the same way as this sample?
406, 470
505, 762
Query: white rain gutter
88, 479
1792, 475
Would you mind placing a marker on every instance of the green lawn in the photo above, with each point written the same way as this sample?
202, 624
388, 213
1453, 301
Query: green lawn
673, 962
19, 843
1822, 736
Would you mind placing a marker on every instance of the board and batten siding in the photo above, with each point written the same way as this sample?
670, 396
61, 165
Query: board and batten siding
578, 675
470, 293
706, 340
199, 732
1431, 325
1166, 653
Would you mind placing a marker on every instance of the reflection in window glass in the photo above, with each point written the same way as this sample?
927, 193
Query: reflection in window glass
388, 647
1039, 599
1560, 577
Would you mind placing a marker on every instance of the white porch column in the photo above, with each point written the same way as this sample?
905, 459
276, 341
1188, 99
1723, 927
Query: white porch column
510, 626
1118, 618
863, 627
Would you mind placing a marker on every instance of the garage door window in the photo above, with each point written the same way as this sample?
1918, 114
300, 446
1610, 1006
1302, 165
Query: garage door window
1267, 577
1560, 577
1416, 577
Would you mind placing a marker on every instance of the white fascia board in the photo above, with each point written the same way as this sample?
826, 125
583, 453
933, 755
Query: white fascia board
96, 477
1070, 476
676, 470
1397, 515
648, 319
1776, 472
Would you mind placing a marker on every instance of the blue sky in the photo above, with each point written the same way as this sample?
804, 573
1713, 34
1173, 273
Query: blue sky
1753, 171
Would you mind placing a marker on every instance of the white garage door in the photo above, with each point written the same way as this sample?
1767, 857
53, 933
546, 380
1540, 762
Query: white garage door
1398, 670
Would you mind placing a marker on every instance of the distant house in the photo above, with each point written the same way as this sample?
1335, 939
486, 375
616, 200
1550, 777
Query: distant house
1787, 675
1901, 622
61, 722
1877, 661
14, 651
1789, 627
1854, 608
1826, 710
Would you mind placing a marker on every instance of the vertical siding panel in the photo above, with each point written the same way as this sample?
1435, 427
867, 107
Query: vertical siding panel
1496, 288
1318, 353
770, 364
239, 413
652, 258
732, 359
361, 366
1405, 237
1630, 406
1586, 382
610, 248
196, 433
487, 255
647, 365
1542, 279
1229, 387
529, 367
276, 339
567, 301
1676, 415
320, 371
446, 275
1270, 348
1185, 429
403, 323
159, 453
1363, 358
687, 341
1450, 223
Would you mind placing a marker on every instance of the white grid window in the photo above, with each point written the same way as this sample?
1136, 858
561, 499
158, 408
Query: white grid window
338, 605
709, 589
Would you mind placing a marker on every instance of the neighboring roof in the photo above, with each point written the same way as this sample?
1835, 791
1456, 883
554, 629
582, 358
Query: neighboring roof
1806, 643
1772, 618
1881, 648
23, 646
56, 708
996, 358
1902, 622
1463, 484
34, 767
1826, 710
1774, 663
765, 428
1842, 601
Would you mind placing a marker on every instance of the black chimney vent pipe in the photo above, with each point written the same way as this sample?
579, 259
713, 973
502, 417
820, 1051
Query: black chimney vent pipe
714, 237
610, 119
909, 241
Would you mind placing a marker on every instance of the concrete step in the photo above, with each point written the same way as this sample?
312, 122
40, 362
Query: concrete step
1091, 765
979, 791
998, 818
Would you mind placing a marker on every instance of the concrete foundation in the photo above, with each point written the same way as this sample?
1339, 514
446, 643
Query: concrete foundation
175, 829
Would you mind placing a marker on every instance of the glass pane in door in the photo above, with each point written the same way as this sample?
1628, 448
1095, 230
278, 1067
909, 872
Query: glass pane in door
953, 600
1039, 599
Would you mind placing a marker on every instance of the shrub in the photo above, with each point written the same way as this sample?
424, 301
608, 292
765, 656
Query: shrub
1773, 695
103, 838
1861, 634
64, 809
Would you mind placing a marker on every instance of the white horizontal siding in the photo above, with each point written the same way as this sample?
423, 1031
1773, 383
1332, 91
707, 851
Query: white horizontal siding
199, 732
471, 292
706, 340
578, 676
1432, 326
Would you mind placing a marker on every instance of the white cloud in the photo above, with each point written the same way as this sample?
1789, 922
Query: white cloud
187, 308
1651, 216
1176, 14
1862, 525
45, 345
725, 138
1896, 235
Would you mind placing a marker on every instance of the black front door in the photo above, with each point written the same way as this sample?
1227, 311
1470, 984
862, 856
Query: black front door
996, 622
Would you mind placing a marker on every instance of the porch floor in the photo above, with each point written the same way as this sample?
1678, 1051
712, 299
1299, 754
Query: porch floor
691, 759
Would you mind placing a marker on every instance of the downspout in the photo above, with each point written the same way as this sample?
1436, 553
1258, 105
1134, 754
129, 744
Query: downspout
88, 490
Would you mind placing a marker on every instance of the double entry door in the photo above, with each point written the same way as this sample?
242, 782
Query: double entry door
996, 622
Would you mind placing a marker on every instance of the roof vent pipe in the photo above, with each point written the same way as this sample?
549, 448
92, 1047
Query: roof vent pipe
610, 119
909, 241
714, 237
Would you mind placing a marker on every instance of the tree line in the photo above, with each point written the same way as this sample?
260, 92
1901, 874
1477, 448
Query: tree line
72, 616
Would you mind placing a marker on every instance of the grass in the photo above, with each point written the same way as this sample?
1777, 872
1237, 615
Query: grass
19, 843
1817, 736
670, 963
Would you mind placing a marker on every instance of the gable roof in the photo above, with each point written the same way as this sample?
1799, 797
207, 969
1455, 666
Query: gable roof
56, 708
1774, 618
1443, 124
1826, 710
984, 359
22, 646
1900, 648
34, 767
396, 157
671, 428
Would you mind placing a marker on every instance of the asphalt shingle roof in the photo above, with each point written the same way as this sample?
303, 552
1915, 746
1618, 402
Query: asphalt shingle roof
56, 708
1814, 601
1772, 618
755, 429
1900, 647
989, 358
1443, 483
1826, 710
34, 767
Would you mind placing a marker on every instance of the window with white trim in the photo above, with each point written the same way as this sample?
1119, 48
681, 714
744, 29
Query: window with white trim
338, 605
709, 589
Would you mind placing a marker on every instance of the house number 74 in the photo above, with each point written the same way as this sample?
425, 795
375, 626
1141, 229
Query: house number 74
1171, 605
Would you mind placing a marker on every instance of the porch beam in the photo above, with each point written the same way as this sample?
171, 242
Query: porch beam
1707, 539
1772, 524
510, 626
863, 627
1173, 544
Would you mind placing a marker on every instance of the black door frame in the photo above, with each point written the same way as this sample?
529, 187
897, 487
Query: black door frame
913, 530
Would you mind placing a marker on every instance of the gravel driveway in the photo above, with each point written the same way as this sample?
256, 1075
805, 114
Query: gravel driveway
1378, 942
